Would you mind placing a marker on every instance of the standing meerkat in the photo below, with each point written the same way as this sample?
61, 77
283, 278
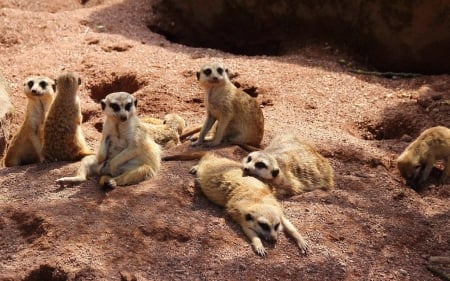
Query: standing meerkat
26, 145
166, 132
290, 166
249, 201
417, 160
239, 117
127, 152
63, 137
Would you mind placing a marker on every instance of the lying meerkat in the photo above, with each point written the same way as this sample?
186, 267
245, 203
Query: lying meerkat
63, 138
166, 132
249, 201
26, 145
239, 117
417, 160
290, 166
127, 153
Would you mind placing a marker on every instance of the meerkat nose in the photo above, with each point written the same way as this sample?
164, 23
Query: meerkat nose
123, 118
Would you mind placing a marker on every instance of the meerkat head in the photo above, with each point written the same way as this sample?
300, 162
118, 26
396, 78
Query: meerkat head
175, 122
68, 83
214, 74
410, 169
261, 164
37, 86
119, 106
265, 220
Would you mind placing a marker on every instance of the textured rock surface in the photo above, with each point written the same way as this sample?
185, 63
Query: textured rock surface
5, 113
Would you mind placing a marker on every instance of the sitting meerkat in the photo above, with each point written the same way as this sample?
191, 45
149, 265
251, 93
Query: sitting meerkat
290, 166
417, 160
63, 137
249, 201
127, 152
26, 145
166, 132
239, 117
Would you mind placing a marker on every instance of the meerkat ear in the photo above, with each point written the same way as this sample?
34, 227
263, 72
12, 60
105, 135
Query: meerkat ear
79, 81
54, 85
226, 70
135, 102
103, 103
275, 172
248, 217
198, 75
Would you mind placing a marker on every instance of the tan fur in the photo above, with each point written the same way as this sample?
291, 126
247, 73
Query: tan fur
239, 117
290, 166
63, 137
127, 153
166, 132
416, 162
26, 145
249, 201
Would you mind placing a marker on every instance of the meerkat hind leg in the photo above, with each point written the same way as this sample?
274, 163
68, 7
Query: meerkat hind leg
132, 176
88, 167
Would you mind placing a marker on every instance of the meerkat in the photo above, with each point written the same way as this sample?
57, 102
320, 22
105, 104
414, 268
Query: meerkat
26, 145
239, 117
127, 154
416, 161
166, 132
63, 137
249, 201
290, 166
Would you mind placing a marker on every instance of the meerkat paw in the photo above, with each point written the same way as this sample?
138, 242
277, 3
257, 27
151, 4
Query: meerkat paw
193, 170
107, 182
196, 143
303, 247
260, 250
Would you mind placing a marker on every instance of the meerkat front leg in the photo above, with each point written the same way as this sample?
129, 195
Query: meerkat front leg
256, 241
446, 172
209, 122
292, 231
222, 125
121, 158
426, 172
37, 145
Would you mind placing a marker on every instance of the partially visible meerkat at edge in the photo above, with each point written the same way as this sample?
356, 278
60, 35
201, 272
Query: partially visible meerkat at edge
127, 154
249, 201
416, 161
239, 117
26, 146
166, 132
290, 166
63, 137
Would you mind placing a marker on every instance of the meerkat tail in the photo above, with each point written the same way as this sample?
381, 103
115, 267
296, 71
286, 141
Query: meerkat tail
248, 147
189, 132
195, 155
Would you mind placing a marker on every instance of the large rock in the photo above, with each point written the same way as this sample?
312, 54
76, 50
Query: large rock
398, 35
6, 109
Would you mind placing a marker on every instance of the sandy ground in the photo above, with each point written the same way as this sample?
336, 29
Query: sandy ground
370, 227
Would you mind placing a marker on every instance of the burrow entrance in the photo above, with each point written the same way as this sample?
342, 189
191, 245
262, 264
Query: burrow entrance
127, 82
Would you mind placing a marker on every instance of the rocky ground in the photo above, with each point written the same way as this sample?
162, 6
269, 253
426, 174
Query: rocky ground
370, 227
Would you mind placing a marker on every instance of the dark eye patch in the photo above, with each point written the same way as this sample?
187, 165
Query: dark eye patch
220, 70
128, 106
43, 84
249, 159
264, 226
260, 165
115, 107
207, 71
30, 84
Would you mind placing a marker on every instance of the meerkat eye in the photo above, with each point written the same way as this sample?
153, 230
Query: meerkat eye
220, 70
30, 84
43, 84
264, 226
207, 72
277, 226
115, 107
249, 159
128, 106
260, 165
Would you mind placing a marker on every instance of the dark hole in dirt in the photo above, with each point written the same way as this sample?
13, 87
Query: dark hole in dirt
30, 227
123, 83
46, 273
393, 127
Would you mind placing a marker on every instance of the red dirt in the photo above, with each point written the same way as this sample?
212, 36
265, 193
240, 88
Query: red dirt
371, 227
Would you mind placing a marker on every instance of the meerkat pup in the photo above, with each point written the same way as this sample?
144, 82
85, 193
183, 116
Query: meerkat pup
26, 145
290, 166
127, 152
239, 117
249, 201
166, 132
416, 162
63, 138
